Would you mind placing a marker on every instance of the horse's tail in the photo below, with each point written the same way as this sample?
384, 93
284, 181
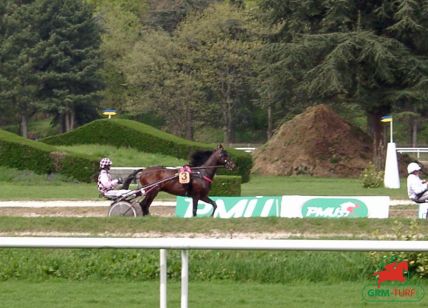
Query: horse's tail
130, 178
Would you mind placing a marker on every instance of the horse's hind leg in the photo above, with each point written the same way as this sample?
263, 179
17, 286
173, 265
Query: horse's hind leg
147, 201
210, 201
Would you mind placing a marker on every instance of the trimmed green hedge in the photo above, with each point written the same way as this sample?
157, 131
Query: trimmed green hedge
224, 185
128, 133
21, 153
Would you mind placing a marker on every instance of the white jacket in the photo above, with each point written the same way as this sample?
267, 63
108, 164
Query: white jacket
415, 186
105, 183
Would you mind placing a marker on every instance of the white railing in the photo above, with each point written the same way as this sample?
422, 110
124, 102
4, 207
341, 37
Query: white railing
246, 149
185, 244
418, 151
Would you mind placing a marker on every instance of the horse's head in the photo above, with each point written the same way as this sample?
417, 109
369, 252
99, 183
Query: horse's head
224, 159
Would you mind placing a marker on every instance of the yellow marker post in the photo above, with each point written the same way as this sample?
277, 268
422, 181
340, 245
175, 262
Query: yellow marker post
109, 112
388, 119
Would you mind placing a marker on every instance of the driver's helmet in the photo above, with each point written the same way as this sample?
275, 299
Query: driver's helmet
105, 162
412, 167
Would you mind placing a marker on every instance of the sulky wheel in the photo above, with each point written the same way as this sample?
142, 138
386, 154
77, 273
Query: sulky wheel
123, 208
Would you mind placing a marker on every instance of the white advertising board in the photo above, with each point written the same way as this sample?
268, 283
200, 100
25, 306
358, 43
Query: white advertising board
423, 209
335, 207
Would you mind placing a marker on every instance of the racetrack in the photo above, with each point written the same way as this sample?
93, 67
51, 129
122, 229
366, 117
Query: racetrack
61, 208
72, 208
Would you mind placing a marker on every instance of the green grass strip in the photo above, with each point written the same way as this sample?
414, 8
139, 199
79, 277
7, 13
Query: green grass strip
358, 228
215, 294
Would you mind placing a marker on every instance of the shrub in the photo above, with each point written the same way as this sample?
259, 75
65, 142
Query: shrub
21, 153
224, 185
417, 261
371, 178
127, 133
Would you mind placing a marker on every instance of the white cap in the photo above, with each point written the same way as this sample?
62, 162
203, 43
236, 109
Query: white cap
412, 167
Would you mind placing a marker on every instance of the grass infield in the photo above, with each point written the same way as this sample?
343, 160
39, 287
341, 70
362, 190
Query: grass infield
21, 186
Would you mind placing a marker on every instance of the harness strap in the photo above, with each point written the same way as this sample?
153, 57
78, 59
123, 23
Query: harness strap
150, 187
207, 167
207, 179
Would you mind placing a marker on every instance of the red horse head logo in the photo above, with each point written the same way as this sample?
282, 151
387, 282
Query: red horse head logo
392, 272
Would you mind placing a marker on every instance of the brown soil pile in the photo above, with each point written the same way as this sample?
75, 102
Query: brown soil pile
317, 142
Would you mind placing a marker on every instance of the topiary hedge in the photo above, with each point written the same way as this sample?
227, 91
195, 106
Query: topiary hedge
224, 185
21, 153
128, 133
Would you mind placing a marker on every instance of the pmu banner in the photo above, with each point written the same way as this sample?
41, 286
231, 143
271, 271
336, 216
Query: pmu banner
232, 207
335, 207
289, 206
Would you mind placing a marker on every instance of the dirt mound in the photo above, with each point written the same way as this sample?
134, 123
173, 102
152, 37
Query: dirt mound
317, 142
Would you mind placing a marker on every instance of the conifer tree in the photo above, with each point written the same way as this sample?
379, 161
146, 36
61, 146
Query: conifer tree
69, 58
49, 56
18, 73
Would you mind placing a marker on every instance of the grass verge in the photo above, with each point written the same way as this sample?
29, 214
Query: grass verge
358, 228
214, 294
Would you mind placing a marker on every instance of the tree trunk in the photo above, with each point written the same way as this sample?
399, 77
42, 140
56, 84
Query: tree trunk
23, 127
189, 123
226, 124
62, 122
269, 131
69, 117
230, 132
376, 130
414, 132
67, 121
72, 118
225, 135
227, 115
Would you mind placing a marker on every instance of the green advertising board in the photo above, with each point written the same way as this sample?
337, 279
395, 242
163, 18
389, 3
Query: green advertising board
232, 207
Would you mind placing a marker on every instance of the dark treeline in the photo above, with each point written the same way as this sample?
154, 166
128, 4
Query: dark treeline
238, 67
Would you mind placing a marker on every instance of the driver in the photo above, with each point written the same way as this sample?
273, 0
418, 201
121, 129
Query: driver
109, 187
417, 188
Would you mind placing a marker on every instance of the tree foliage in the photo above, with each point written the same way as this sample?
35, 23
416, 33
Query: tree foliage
372, 53
224, 42
202, 71
50, 58
121, 25
18, 53
166, 15
71, 46
161, 82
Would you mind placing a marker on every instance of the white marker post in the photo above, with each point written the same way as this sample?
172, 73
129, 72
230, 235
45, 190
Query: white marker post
391, 178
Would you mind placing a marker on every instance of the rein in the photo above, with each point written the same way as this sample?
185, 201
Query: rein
160, 167
207, 167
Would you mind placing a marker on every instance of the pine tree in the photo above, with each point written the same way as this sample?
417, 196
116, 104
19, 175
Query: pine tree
18, 73
49, 56
69, 58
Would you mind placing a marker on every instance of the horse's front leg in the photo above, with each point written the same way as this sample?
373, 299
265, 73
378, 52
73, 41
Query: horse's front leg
212, 202
195, 206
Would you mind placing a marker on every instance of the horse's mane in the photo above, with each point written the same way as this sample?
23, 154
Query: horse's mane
198, 158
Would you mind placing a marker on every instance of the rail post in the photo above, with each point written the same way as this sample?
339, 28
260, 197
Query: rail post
184, 278
163, 277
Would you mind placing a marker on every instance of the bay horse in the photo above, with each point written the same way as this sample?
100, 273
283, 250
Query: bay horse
202, 169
